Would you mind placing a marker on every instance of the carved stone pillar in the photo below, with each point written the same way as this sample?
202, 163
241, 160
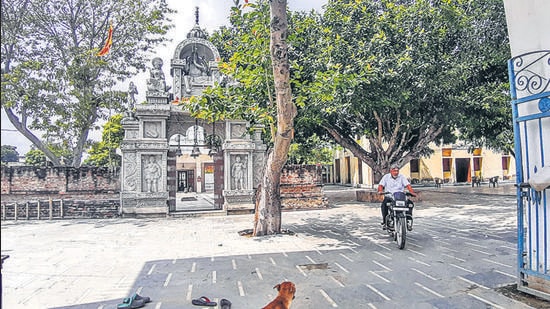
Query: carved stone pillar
144, 168
238, 167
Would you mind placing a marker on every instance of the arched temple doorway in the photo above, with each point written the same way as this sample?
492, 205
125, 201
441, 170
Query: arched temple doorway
196, 180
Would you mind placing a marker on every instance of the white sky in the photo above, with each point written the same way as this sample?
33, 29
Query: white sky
212, 15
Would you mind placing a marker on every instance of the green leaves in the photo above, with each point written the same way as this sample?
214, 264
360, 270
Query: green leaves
401, 75
103, 153
53, 83
9, 154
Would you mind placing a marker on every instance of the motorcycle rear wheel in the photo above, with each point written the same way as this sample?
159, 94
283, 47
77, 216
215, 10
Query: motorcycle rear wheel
401, 232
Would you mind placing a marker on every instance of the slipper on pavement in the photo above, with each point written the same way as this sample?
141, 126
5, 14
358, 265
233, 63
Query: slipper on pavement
145, 299
131, 303
203, 301
225, 304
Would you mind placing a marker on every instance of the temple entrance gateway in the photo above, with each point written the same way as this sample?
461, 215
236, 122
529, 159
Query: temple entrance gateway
172, 162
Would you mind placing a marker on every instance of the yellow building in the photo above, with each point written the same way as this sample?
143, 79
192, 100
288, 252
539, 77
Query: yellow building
451, 163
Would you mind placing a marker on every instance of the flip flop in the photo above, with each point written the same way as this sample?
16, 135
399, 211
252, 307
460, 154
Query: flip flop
225, 304
203, 301
145, 299
131, 303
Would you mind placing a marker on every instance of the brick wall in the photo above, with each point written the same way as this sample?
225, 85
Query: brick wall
94, 192
87, 182
302, 187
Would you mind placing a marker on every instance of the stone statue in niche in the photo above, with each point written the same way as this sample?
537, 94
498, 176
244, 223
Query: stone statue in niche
195, 69
238, 174
156, 81
151, 173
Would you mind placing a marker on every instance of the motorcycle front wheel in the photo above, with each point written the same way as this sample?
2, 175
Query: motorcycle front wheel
401, 232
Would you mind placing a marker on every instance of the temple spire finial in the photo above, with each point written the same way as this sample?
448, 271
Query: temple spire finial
196, 32
197, 15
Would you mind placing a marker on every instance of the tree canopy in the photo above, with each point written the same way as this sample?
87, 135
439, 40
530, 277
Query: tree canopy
103, 153
35, 157
399, 74
9, 154
55, 88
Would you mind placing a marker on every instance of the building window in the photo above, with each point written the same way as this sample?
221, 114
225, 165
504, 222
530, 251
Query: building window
505, 163
446, 152
477, 164
348, 169
337, 171
446, 164
415, 166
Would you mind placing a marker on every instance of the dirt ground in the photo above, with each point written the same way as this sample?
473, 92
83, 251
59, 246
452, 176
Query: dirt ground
511, 291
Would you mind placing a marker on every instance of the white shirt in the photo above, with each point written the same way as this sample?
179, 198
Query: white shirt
394, 185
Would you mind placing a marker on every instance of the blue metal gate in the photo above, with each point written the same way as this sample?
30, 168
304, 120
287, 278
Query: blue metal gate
530, 91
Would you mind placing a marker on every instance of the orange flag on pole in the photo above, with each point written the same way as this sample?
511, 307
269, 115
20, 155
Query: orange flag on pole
105, 50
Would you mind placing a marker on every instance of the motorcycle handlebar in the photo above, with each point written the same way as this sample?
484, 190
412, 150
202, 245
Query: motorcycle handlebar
386, 192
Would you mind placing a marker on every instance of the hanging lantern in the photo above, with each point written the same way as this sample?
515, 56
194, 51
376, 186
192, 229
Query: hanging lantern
195, 152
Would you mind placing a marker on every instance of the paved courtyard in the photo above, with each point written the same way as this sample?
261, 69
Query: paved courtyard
463, 247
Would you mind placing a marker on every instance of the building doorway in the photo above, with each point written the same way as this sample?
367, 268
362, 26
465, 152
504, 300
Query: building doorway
462, 169
185, 181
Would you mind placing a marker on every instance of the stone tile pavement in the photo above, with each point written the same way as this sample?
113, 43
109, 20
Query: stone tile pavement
339, 257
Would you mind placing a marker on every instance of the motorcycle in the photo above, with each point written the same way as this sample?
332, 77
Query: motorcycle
397, 220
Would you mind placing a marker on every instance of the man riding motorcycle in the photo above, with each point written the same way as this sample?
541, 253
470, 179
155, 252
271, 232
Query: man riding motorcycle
394, 182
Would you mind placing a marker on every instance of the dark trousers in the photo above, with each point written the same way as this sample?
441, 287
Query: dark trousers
384, 208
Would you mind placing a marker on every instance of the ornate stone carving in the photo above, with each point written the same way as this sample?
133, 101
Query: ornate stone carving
194, 65
151, 129
130, 170
238, 131
156, 81
144, 146
131, 134
152, 173
238, 146
132, 91
238, 173
153, 110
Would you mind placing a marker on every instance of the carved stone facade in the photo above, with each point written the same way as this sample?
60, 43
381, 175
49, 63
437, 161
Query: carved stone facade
163, 142
194, 67
144, 155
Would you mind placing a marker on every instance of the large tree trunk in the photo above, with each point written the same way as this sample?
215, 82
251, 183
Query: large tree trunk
268, 202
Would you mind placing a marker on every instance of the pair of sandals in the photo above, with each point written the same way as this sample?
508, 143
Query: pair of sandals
205, 301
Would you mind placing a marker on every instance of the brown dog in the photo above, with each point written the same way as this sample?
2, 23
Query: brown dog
286, 290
